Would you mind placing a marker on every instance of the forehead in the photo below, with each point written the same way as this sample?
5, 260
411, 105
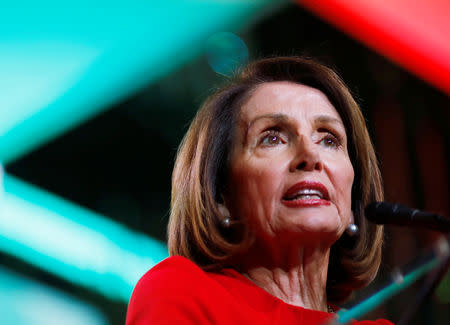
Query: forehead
288, 98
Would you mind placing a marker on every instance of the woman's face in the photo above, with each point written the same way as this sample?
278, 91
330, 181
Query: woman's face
290, 173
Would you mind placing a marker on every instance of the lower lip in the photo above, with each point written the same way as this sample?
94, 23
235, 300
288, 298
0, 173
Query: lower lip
306, 203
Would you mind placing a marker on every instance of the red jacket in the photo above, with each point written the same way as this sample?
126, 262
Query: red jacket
177, 291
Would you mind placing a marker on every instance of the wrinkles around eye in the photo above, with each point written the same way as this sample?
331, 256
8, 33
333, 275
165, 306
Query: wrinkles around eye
334, 136
331, 141
272, 138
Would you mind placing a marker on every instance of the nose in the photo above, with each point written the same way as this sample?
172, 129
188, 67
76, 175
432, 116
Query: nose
307, 157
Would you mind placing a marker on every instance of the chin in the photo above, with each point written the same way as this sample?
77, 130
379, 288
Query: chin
314, 233
321, 220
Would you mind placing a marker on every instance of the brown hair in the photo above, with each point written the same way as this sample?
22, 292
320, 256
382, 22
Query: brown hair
201, 169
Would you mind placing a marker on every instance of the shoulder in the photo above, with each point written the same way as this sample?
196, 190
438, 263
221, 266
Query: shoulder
173, 273
161, 293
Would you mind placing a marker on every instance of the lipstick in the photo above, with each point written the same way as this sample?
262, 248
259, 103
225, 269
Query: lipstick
306, 194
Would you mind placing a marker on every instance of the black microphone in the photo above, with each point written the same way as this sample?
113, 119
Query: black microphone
400, 215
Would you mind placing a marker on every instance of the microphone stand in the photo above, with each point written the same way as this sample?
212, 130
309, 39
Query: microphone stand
439, 260
427, 289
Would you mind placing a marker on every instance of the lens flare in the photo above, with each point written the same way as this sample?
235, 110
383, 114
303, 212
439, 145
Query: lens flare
226, 53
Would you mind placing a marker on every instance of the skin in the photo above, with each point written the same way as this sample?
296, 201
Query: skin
288, 133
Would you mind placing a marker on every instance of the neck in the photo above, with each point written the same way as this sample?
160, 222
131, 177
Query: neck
296, 276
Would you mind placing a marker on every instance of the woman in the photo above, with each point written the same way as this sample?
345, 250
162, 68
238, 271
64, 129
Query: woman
268, 188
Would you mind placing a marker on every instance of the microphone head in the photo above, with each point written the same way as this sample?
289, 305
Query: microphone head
382, 212
396, 214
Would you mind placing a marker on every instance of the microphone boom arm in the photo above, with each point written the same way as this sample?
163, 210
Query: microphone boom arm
440, 255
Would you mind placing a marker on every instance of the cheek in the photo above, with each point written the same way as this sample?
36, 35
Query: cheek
255, 188
340, 171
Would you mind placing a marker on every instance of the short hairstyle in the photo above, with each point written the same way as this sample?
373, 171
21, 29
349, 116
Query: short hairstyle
201, 172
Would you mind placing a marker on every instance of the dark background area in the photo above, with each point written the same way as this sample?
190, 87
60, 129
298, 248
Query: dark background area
119, 163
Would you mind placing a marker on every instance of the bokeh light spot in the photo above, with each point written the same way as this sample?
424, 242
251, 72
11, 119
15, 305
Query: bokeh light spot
226, 53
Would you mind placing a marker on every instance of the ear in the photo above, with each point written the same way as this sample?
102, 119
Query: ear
352, 217
352, 229
224, 210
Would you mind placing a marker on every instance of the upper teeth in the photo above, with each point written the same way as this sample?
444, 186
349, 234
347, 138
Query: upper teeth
307, 193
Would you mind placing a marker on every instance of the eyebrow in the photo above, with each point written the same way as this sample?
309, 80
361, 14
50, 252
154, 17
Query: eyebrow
329, 119
276, 117
285, 118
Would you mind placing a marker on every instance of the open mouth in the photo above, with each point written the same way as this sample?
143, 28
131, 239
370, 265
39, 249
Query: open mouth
306, 194
307, 191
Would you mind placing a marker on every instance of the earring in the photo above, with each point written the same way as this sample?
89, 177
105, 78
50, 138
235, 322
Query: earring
352, 230
225, 222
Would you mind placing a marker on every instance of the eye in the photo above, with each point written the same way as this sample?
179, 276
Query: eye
271, 138
330, 141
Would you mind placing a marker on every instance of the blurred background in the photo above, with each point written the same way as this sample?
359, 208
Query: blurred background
94, 100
